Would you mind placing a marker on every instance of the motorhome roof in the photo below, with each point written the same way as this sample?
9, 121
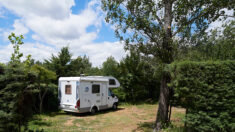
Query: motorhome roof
69, 78
94, 78
86, 78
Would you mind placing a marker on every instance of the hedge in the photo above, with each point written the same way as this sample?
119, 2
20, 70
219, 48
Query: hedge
207, 91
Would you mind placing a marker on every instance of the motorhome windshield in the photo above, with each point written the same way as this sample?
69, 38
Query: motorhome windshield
110, 93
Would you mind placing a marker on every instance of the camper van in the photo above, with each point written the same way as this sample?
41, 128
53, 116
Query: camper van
87, 93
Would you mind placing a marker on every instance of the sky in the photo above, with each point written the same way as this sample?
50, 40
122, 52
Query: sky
49, 25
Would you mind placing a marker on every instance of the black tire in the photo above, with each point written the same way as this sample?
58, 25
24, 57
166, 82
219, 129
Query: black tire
93, 110
115, 106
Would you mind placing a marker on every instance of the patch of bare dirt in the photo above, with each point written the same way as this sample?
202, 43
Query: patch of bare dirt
181, 110
69, 122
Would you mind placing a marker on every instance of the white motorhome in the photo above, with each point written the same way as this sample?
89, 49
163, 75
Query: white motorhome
87, 94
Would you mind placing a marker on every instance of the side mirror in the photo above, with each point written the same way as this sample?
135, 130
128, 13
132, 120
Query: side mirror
112, 95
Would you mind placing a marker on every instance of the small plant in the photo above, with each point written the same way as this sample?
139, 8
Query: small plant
16, 41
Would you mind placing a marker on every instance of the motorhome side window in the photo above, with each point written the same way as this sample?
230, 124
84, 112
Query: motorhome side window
112, 82
95, 88
68, 89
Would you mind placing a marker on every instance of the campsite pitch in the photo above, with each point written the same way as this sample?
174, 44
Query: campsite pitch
128, 118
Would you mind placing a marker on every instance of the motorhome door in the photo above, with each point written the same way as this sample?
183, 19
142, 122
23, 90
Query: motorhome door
96, 93
68, 90
104, 95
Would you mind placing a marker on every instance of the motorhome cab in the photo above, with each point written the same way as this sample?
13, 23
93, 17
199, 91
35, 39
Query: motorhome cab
87, 94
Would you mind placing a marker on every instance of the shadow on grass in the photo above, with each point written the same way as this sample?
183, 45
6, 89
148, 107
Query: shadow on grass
53, 114
97, 113
145, 126
41, 123
149, 126
147, 101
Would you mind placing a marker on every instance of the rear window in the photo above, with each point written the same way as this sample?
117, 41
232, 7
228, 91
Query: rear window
68, 89
112, 82
95, 88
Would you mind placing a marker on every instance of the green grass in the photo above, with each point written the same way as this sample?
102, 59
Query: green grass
128, 118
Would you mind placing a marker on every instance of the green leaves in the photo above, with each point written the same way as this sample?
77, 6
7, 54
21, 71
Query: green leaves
138, 82
218, 44
207, 91
16, 100
16, 41
43, 75
141, 22
64, 65
110, 67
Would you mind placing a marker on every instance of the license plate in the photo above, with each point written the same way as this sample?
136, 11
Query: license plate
66, 106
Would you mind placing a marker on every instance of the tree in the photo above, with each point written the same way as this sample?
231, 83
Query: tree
80, 65
60, 63
131, 70
1, 69
216, 45
64, 65
29, 62
110, 67
136, 78
92, 71
43, 82
16, 97
16, 91
149, 25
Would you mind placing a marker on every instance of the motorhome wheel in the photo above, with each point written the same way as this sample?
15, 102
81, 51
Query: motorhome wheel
115, 106
93, 110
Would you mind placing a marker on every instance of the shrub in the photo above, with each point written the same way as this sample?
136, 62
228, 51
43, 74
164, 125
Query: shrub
207, 91
16, 97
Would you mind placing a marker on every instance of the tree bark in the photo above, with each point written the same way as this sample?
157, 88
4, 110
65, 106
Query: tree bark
162, 114
40, 109
167, 58
169, 116
41, 100
40, 105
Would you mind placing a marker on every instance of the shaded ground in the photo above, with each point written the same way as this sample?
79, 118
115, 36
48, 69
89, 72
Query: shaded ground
128, 118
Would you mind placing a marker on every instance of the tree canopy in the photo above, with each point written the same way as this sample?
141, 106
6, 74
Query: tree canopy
64, 65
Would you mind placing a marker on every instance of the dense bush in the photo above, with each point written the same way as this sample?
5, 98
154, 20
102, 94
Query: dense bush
137, 78
16, 97
207, 91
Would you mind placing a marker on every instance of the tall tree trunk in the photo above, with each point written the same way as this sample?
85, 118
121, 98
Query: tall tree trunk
162, 114
167, 58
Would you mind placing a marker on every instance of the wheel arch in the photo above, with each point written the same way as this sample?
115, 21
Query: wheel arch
94, 106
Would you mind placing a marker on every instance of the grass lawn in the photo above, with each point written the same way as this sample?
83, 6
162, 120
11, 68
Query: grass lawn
128, 118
